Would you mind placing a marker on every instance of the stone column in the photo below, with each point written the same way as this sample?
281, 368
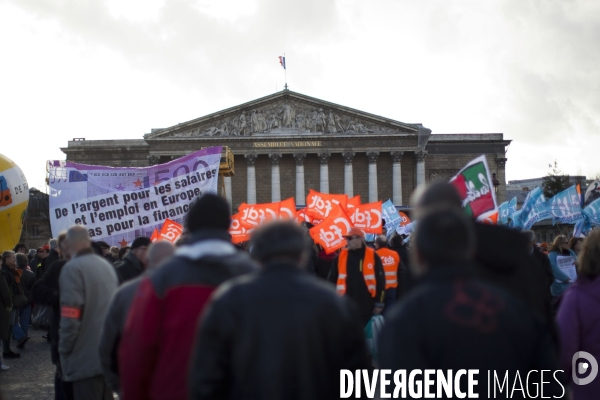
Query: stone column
300, 193
275, 181
421, 166
324, 182
348, 174
228, 193
251, 187
397, 177
501, 176
372, 156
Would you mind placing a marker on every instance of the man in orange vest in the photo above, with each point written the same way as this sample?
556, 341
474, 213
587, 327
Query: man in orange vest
391, 265
358, 274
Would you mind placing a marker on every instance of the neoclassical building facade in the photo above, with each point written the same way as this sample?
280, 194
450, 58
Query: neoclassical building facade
287, 143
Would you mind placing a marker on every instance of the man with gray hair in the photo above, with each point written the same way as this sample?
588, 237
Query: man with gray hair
86, 284
118, 311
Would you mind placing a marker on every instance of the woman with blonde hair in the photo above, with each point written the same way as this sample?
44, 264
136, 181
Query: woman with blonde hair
579, 317
562, 260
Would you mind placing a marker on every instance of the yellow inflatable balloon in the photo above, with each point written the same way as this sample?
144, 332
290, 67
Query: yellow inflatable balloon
13, 203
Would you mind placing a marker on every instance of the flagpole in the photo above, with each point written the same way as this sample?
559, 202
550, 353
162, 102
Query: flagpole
285, 71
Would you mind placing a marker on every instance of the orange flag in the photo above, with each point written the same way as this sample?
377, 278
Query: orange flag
171, 231
404, 220
367, 217
320, 205
330, 233
287, 209
302, 217
154, 236
255, 214
238, 233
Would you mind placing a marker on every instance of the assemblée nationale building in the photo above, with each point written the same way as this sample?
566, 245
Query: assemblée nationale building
287, 143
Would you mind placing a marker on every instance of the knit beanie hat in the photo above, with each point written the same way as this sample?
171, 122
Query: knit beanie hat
209, 212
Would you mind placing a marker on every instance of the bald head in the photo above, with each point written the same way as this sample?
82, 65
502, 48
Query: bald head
158, 252
435, 196
77, 239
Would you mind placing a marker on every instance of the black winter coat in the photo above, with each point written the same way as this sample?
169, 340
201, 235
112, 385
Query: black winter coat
452, 320
356, 288
276, 334
45, 292
129, 268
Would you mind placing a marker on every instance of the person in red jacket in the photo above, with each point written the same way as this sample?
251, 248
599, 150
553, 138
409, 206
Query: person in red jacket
159, 333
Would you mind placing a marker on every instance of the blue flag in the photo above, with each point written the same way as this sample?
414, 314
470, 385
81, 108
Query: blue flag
565, 207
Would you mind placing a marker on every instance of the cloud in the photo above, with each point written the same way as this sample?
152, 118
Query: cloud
527, 68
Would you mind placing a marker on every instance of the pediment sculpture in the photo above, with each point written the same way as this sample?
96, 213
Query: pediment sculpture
288, 117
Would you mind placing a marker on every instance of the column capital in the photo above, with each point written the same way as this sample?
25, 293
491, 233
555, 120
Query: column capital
251, 159
275, 157
372, 156
421, 156
299, 157
153, 160
397, 156
348, 157
501, 162
324, 157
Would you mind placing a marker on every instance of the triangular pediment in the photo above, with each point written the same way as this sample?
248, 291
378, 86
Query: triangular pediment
287, 113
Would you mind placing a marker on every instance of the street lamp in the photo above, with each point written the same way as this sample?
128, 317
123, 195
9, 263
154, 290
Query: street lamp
495, 182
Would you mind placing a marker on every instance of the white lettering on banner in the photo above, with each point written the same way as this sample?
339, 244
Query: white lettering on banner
323, 206
118, 213
366, 219
472, 193
256, 217
172, 234
334, 234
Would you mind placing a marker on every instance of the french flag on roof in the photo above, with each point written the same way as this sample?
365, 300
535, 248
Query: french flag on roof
282, 61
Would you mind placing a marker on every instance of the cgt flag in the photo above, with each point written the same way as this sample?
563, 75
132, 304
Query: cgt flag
367, 217
171, 231
474, 186
331, 233
237, 231
253, 215
320, 205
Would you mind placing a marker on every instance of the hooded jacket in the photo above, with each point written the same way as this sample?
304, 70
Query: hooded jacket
157, 341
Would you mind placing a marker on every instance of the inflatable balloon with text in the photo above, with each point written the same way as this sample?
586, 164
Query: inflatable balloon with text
13, 203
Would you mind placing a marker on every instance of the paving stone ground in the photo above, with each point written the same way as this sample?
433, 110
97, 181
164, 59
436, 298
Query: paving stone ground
32, 375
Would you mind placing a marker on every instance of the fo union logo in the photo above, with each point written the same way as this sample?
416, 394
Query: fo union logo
580, 367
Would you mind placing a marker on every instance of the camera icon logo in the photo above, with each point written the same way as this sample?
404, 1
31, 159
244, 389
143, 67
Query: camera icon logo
580, 369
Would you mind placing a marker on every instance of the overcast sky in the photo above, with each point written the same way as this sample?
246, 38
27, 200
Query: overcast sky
114, 69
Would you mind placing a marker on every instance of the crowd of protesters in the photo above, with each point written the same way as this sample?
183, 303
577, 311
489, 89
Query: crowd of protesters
279, 318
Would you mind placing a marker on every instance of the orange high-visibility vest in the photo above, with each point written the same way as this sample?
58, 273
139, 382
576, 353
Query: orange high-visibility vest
367, 267
390, 260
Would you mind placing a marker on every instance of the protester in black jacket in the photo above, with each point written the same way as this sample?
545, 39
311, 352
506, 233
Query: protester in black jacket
453, 320
133, 265
276, 334
356, 287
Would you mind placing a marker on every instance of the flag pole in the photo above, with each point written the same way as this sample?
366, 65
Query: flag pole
285, 71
